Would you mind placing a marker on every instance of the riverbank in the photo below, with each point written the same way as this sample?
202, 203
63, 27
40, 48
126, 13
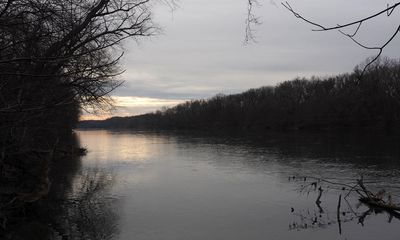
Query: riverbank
31, 183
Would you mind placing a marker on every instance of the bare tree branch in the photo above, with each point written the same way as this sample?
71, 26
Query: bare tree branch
340, 27
251, 21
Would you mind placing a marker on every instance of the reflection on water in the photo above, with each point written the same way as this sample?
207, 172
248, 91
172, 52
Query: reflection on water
147, 186
186, 186
105, 146
79, 205
88, 212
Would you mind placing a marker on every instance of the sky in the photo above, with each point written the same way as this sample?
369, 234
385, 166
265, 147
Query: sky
200, 51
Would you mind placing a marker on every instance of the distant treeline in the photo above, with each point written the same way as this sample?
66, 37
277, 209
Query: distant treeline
369, 99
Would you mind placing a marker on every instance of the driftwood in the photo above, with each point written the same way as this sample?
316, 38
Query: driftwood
374, 202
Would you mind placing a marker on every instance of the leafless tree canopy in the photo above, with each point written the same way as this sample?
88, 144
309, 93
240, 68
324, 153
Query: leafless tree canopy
69, 44
57, 57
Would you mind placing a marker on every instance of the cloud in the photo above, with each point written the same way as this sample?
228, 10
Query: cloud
201, 51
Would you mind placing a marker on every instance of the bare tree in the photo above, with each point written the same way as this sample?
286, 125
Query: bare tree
57, 57
75, 42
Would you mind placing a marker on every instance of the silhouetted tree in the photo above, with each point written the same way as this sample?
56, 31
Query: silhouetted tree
56, 58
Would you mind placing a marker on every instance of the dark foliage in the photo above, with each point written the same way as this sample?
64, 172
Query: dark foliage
56, 58
344, 101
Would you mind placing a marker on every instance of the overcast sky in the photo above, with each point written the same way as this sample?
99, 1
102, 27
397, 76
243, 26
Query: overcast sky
201, 50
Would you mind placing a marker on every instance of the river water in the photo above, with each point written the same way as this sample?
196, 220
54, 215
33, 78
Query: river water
176, 186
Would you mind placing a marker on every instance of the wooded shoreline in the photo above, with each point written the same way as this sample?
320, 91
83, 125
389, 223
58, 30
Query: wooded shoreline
346, 102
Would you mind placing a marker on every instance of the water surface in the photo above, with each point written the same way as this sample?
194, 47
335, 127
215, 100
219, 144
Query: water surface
185, 186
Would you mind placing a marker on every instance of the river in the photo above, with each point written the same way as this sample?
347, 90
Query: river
177, 186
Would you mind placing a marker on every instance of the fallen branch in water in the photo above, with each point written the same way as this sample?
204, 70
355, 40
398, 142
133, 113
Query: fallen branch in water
365, 196
376, 202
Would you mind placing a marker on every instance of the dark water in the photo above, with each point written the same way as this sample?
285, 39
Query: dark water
150, 186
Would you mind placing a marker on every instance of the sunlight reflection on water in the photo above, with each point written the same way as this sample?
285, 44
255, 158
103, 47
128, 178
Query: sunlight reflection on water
175, 186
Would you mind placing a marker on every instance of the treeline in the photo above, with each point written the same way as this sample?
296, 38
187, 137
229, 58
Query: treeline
369, 99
